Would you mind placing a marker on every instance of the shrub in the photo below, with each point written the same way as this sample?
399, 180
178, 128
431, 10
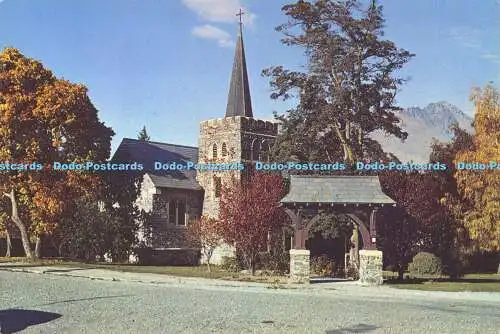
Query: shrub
145, 254
425, 264
322, 265
352, 272
230, 264
454, 265
278, 263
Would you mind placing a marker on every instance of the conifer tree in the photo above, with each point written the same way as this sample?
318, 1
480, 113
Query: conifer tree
143, 134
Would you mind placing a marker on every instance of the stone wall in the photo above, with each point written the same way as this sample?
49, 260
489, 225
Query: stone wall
145, 199
145, 202
370, 267
159, 232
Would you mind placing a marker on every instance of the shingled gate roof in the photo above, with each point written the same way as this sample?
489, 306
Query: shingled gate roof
336, 190
147, 152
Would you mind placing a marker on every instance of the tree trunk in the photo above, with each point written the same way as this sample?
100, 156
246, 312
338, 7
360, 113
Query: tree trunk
401, 273
208, 266
9, 245
20, 225
498, 270
38, 247
252, 265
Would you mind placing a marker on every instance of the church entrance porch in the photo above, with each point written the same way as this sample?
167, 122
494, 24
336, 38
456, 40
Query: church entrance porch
354, 198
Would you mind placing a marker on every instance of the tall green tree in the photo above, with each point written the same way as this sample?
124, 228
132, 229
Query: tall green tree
349, 87
143, 134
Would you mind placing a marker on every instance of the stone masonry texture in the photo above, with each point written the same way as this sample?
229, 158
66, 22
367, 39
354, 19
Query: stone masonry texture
370, 267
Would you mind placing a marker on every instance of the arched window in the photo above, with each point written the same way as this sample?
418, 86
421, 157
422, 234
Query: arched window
265, 151
214, 151
255, 150
224, 149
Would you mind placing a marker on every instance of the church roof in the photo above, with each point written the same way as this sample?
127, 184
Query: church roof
239, 101
148, 152
336, 190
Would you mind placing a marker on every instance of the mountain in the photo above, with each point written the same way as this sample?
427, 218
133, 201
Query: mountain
422, 125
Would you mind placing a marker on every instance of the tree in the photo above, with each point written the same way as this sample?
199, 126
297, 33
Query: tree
249, 210
481, 187
398, 231
421, 222
143, 134
45, 120
205, 233
5, 227
331, 225
82, 232
349, 88
450, 197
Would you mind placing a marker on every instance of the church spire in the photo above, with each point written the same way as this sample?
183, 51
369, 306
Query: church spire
239, 102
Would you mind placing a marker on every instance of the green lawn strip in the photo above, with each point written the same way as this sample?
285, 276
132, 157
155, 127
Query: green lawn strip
469, 282
451, 286
178, 271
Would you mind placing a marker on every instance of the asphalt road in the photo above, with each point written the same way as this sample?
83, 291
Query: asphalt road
36, 303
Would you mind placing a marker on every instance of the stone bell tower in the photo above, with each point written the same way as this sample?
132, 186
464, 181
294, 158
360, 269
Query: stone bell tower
236, 138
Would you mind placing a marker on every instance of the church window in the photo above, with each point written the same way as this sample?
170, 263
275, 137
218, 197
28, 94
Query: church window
177, 212
214, 151
217, 186
224, 149
265, 150
255, 150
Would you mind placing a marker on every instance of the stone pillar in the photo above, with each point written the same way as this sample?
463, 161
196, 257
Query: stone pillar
370, 267
300, 265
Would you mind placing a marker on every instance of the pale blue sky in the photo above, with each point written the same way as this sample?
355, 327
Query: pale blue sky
166, 63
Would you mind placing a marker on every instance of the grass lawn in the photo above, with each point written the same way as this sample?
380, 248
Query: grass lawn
180, 271
471, 282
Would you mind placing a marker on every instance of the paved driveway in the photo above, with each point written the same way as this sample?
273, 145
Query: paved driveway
41, 303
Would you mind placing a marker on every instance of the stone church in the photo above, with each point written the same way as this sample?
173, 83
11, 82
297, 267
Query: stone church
176, 197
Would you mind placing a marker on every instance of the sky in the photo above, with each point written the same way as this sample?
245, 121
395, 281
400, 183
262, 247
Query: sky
166, 64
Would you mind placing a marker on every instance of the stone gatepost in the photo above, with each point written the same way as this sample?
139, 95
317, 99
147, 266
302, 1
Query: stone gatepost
300, 265
370, 267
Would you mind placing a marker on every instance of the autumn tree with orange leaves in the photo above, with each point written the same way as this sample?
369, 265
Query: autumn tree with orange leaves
249, 210
482, 188
44, 119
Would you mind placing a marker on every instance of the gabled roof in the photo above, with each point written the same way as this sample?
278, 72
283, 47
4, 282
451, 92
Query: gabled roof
147, 153
336, 190
239, 102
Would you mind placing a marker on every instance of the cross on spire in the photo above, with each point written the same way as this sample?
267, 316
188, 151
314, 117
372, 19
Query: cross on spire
240, 14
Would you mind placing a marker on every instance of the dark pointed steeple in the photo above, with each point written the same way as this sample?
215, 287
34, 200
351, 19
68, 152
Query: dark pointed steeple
239, 102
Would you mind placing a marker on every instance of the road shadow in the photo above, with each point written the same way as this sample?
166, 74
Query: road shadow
16, 320
359, 328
